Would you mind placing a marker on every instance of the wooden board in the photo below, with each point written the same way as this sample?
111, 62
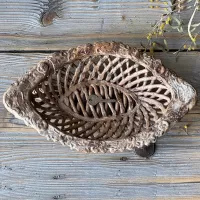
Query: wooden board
33, 168
60, 24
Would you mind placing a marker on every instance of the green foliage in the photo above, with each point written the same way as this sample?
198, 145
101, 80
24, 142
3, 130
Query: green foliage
171, 20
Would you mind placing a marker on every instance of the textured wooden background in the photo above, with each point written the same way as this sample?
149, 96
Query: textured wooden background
33, 168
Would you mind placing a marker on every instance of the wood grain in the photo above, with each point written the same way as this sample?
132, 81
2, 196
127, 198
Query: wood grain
60, 24
33, 168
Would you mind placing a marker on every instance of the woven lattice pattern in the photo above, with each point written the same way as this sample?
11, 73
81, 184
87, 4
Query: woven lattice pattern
101, 97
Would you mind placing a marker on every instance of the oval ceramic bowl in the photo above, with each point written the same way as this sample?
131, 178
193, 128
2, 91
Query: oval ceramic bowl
101, 97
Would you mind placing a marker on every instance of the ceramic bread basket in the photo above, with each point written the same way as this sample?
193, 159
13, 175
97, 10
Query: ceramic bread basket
102, 97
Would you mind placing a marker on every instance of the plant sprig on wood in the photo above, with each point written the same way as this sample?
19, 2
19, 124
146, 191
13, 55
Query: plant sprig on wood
171, 20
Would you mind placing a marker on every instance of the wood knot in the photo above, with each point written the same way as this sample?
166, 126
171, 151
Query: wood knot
47, 17
123, 158
123, 17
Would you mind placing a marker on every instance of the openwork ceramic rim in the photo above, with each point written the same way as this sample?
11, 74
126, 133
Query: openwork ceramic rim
182, 97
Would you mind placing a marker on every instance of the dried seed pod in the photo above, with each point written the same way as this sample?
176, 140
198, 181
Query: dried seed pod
136, 98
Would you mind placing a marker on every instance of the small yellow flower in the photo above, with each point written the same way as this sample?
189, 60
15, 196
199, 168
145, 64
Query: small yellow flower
149, 36
162, 26
185, 127
194, 39
168, 20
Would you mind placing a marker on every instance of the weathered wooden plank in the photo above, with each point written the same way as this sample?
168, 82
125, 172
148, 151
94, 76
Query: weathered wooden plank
38, 169
76, 17
31, 43
33, 168
70, 23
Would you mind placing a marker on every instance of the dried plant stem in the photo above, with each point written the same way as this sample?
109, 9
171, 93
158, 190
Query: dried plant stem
190, 24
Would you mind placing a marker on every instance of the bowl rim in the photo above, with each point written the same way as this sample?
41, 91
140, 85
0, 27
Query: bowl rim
16, 98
